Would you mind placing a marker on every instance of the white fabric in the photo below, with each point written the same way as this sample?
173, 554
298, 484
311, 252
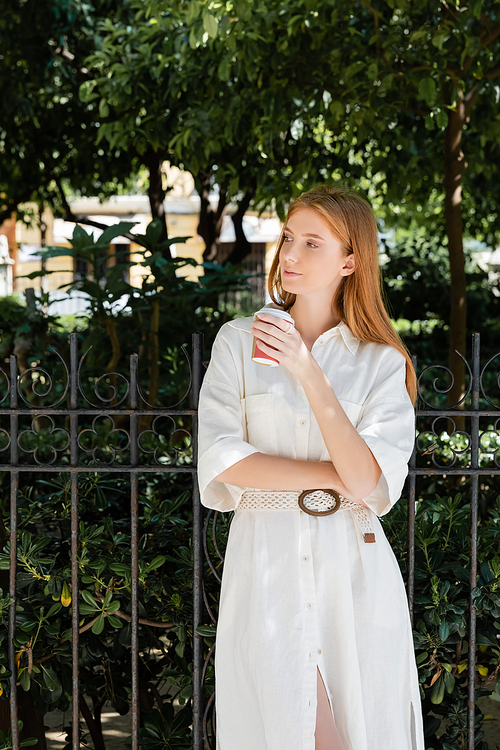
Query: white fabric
299, 591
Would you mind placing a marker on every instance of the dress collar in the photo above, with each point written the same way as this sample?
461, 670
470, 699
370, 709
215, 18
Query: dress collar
350, 340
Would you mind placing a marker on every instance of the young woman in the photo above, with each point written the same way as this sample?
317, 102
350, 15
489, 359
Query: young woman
314, 647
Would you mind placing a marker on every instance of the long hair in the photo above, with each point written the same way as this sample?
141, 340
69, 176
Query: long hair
358, 301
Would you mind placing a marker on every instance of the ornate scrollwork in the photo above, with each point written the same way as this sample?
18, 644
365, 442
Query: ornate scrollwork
443, 391
112, 386
489, 442
481, 381
186, 392
40, 442
443, 443
209, 719
100, 446
215, 533
42, 383
154, 435
4, 439
4, 375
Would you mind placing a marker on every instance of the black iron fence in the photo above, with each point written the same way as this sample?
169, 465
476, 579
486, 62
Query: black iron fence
457, 450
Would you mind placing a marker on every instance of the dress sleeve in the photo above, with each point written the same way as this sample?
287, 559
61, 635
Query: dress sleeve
222, 428
387, 425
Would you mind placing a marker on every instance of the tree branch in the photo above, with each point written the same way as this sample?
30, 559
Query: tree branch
70, 216
470, 99
71, 57
493, 73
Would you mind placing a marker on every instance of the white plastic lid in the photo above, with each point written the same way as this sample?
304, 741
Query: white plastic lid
277, 313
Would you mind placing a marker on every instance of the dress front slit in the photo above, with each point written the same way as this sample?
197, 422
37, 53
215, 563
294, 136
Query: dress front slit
326, 728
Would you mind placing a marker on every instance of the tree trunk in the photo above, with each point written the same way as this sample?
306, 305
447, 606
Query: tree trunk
210, 224
92, 725
27, 713
242, 247
454, 167
156, 195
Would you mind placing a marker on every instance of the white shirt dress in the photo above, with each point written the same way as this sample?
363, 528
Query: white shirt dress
299, 591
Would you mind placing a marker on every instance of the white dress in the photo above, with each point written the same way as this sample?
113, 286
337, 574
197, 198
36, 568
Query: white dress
298, 591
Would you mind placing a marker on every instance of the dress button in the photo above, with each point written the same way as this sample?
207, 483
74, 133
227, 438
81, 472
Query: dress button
319, 650
303, 422
305, 558
309, 605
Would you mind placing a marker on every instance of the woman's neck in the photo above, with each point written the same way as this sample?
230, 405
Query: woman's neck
312, 319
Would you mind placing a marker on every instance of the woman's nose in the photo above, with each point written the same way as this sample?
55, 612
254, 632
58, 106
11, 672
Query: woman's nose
291, 253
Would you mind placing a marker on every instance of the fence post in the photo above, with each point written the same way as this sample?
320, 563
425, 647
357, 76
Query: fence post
471, 703
197, 343
14, 486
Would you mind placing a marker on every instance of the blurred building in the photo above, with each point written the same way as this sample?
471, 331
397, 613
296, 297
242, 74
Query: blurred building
182, 206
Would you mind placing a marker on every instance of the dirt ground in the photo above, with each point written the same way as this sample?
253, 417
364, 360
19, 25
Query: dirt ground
117, 728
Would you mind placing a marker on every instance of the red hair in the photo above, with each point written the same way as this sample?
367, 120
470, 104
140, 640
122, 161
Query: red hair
358, 301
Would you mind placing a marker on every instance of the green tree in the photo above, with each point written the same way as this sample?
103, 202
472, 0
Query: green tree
47, 136
420, 97
205, 86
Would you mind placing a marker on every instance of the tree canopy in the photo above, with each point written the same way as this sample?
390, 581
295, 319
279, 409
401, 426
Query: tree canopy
262, 100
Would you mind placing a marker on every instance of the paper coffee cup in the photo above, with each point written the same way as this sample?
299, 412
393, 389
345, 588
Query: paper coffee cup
257, 354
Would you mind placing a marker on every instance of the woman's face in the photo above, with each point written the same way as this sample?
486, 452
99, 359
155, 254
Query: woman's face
312, 259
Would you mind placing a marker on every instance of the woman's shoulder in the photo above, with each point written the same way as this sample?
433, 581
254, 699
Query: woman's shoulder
385, 354
233, 330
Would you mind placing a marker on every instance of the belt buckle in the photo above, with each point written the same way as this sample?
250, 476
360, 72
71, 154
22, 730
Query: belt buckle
311, 512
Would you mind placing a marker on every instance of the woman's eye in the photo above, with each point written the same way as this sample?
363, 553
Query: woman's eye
286, 238
311, 244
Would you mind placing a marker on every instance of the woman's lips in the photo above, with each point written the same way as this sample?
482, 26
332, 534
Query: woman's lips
291, 273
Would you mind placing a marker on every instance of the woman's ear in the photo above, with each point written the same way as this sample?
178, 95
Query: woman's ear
349, 265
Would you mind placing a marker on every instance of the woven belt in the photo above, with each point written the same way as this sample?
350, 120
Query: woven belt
313, 502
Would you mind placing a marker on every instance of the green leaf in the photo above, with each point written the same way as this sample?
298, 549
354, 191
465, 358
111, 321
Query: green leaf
429, 124
441, 118
120, 568
476, 7
90, 600
193, 38
123, 227
30, 742
427, 90
439, 37
449, 682
50, 679
210, 24
98, 625
224, 69
25, 680
107, 599
103, 108
54, 609
86, 91
84, 610
207, 631
193, 11
444, 630
115, 622
156, 563
437, 692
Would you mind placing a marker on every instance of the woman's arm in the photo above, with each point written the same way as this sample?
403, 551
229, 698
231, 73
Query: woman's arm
355, 464
275, 473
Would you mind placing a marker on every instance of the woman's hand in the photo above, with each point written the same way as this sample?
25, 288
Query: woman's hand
287, 348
